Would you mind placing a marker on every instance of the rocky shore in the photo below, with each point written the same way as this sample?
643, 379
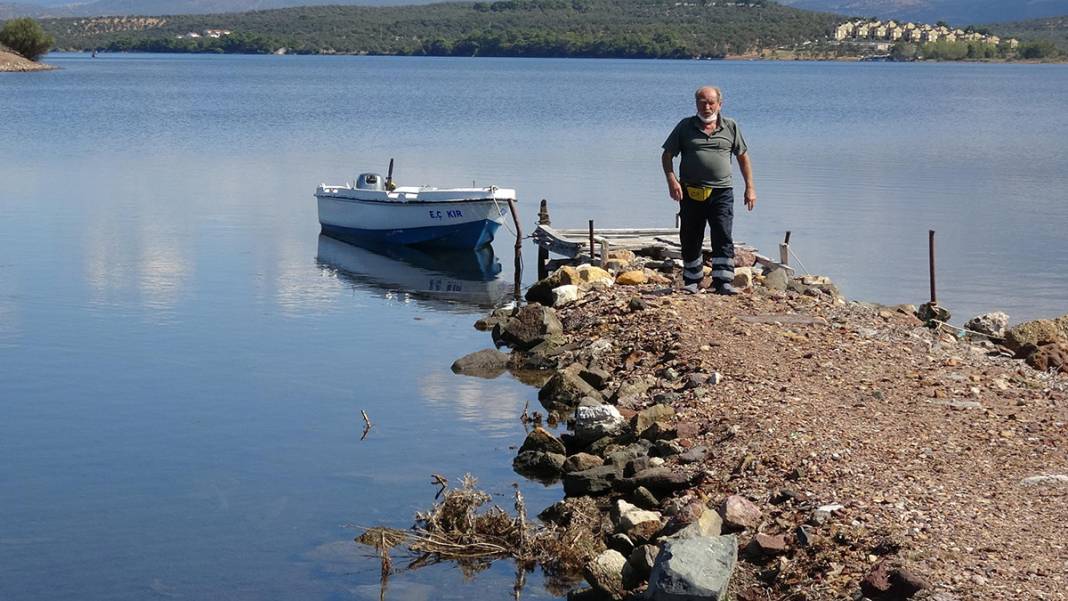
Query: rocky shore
12, 62
788, 444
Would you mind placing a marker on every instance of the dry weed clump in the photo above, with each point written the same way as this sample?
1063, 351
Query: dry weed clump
454, 530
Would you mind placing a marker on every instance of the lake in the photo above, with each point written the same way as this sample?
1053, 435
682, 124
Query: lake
186, 359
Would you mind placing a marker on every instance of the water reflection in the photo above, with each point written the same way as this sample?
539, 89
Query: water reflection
449, 279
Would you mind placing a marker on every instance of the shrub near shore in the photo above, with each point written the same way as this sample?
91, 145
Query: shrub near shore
845, 447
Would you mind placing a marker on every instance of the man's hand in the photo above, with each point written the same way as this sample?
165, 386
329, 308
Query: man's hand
750, 198
674, 188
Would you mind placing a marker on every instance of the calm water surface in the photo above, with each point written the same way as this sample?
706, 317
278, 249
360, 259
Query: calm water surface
185, 359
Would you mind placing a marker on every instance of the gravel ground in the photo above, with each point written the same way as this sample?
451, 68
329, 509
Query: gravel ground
925, 441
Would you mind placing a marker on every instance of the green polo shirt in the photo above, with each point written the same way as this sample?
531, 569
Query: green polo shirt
706, 158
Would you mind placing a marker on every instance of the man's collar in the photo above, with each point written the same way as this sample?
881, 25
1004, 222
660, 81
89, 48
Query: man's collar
700, 125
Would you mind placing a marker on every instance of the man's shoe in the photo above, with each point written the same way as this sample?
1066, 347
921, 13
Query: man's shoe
692, 289
726, 290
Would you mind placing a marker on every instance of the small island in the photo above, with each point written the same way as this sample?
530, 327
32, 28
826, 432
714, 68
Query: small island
22, 42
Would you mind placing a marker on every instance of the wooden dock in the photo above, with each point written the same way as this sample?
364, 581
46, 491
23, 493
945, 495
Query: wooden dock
662, 242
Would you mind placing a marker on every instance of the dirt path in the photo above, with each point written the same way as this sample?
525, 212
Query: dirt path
927, 442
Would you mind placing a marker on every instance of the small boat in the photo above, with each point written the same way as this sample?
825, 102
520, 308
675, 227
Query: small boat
374, 209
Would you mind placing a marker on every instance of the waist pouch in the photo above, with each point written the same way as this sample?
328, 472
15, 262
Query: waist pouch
698, 193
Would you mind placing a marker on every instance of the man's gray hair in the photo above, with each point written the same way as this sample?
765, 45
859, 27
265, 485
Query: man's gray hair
719, 92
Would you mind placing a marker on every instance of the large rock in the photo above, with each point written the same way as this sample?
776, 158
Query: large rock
1037, 332
932, 312
582, 461
740, 513
694, 520
487, 363
649, 416
592, 423
744, 258
693, 569
566, 388
991, 324
594, 481
631, 516
632, 278
743, 277
777, 279
563, 295
622, 254
542, 291
588, 274
540, 439
605, 573
1050, 357
532, 325
538, 463
657, 479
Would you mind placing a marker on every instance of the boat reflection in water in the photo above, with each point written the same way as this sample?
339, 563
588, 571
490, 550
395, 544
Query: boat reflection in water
450, 279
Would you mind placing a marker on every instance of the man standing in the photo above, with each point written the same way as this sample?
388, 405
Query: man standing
706, 142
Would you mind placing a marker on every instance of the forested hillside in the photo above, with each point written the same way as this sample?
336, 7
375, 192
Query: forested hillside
1053, 30
580, 28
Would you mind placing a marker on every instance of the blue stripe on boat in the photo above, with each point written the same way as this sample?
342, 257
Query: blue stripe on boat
475, 234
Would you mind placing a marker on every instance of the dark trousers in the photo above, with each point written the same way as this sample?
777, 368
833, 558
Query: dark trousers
718, 213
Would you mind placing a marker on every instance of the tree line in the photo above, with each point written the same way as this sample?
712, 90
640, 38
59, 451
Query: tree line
546, 28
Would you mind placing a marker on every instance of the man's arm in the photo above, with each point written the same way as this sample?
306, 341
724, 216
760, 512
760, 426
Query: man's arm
674, 188
747, 173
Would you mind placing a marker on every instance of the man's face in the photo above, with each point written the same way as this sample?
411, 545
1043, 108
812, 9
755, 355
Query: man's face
707, 103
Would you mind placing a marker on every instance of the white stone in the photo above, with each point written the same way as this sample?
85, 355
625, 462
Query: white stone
595, 422
563, 295
630, 516
743, 277
991, 324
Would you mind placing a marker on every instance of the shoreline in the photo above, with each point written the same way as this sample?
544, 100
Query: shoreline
729, 57
833, 448
14, 63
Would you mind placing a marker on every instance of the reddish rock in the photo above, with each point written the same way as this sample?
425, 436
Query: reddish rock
740, 513
744, 258
768, 545
1050, 357
877, 582
687, 430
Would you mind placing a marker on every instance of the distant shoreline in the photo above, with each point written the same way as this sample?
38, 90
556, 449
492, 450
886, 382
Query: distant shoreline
784, 57
13, 63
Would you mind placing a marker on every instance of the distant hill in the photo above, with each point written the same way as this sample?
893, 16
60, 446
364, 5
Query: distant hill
954, 12
96, 8
590, 28
1054, 29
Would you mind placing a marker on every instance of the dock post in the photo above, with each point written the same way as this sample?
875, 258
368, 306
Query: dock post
518, 251
592, 248
931, 258
543, 254
784, 250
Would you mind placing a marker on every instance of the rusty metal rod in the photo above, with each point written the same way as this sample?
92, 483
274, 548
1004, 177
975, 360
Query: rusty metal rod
591, 242
518, 251
931, 256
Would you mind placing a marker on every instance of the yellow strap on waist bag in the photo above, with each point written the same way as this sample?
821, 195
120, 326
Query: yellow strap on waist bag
698, 193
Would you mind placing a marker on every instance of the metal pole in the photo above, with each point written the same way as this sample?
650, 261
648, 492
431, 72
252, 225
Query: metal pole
931, 256
518, 251
787, 240
543, 253
591, 242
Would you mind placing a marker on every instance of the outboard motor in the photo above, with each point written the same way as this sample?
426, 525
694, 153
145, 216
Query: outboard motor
370, 181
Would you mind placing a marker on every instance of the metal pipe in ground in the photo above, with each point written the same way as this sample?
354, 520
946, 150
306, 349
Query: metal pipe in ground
591, 242
518, 251
931, 257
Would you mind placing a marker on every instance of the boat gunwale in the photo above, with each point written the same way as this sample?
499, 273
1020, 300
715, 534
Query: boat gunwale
417, 201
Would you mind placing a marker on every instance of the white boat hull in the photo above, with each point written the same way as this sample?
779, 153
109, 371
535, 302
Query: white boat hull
454, 218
